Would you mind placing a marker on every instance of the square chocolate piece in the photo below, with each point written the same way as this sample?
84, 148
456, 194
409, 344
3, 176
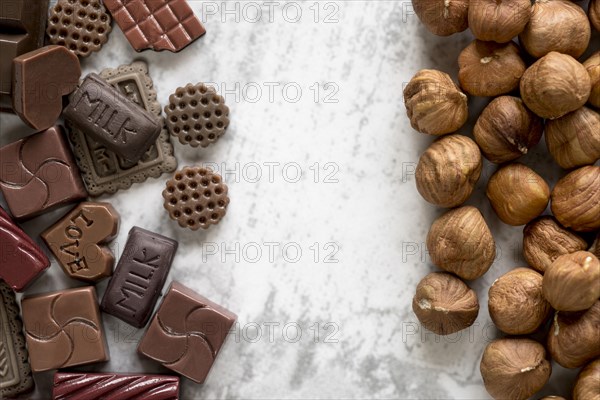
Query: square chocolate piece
187, 332
64, 329
38, 173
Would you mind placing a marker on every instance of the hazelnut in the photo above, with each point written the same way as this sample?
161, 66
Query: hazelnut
595, 248
516, 303
442, 17
544, 240
576, 199
448, 170
556, 25
434, 104
498, 21
587, 385
444, 304
517, 194
594, 13
573, 337
514, 368
506, 129
555, 85
574, 139
490, 69
461, 242
592, 64
572, 282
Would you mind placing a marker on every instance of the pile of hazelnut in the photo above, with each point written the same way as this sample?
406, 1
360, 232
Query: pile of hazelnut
536, 87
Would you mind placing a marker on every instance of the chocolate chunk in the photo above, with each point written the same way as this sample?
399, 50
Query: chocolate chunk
15, 372
38, 173
87, 386
196, 198
21, 260
109, 117
76, 241
22, 25
64, 329
105, 172
82, 26
197, 115
139, 277
156, 24
187, 332
38, 94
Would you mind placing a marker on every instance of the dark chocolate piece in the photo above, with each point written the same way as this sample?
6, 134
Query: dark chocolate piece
105, 172
15, 372
22, 25
37, 93
139, 277
21, 260
196, 198
64, 329
88, 386
76, 241
109, 117
197, 115
187, 332
38, 173
82, 26
156, 24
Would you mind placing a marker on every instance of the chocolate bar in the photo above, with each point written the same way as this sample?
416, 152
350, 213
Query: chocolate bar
139, 277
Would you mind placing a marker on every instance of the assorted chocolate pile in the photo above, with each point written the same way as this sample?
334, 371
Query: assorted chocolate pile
115, 135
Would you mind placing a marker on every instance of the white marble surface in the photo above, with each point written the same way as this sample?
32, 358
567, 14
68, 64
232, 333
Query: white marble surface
362, 208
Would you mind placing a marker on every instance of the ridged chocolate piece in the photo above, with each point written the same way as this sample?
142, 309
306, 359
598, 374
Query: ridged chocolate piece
15, 373
88, 386
139, 277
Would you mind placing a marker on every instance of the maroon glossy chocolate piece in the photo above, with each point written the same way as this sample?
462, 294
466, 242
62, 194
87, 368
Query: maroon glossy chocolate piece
38, 173
87, 386
21, 260
187, 332
156, 24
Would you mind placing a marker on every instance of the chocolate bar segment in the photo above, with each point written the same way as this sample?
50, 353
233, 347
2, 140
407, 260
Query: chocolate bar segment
21, 260
64, 329
109, 117
87, 386
139, 277
15, 372
38, 173
187, 332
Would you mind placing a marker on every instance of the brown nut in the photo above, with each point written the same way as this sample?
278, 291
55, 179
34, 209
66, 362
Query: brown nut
595, 248
544, 240
555, 85
576, 199
587, 385
574, 139
461, 242
516, 303
545, 31
517, 194
434, 104
442, 17
553, 398
498, 21
444, 304
490, 69
572, 282
448, 170
506, 129
594, 13
592, 64
514, 368
573, 337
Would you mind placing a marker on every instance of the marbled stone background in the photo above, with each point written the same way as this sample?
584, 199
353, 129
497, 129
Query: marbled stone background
323, 242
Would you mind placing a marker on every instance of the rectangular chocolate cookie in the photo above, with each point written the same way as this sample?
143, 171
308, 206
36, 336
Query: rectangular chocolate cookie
104, 171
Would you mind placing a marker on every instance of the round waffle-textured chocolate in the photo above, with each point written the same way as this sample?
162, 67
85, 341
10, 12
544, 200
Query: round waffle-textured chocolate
82, 26
197, 115
196, 197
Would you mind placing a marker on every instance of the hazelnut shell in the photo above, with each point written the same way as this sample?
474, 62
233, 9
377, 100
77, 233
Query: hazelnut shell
443, 17
594, 14
498, 21
576, 199
592, 65
587, 385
